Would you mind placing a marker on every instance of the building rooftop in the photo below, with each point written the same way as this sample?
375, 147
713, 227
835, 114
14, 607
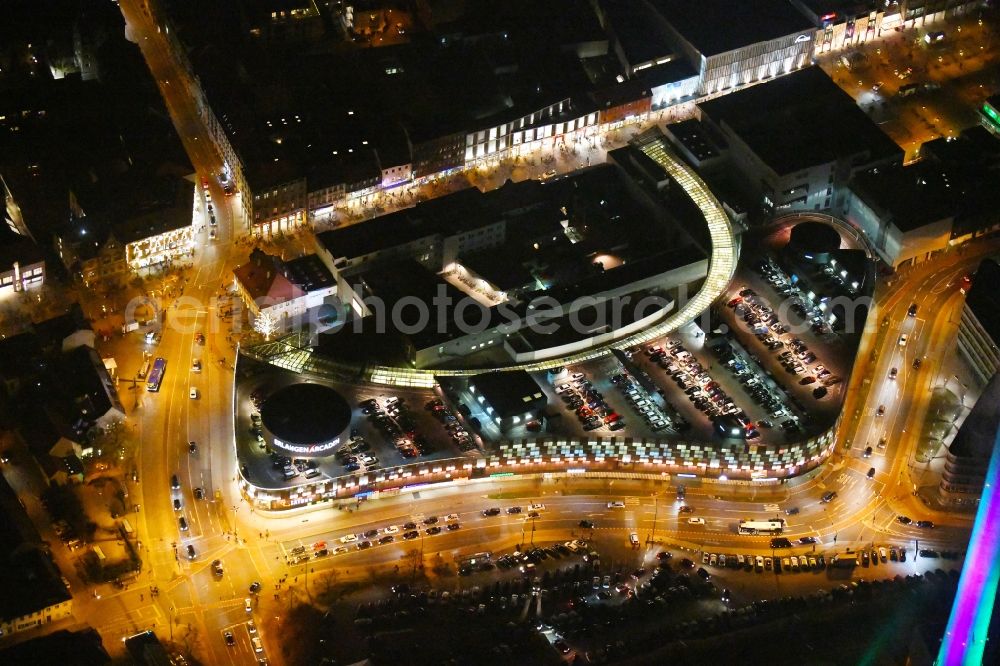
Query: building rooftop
86, 386
54, 330
498, 269
305, 414
674, 71
509, 393
145, 648
914, 195
18, 249
800, 120
692, 136
984, 298
637, 29
286, 112
407, 281
110, 141
719, 26
29, 578
832, 11
264, 280
308, 273
80, 648
977, 435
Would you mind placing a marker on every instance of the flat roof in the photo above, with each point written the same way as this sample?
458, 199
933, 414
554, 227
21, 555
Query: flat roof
406, 281
80, 648
29, 578
635, 25
719, 26
509, 393
915, 195
836, 10
443, 215
305, 413
984, 298
309, 273
674, 71
17, 248
977, 435
497, 268
692, 136
345, 99
800, 120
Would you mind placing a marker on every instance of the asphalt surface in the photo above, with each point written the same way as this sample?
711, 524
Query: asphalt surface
195, 607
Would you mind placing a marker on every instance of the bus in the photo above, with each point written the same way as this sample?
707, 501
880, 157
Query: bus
156, 374
754, 527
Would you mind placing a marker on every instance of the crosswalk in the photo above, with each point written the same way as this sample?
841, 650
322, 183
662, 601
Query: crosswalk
128, 623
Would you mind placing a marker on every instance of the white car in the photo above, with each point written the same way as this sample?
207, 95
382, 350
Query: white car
196, 365
340, 550
902, 340
248, 604
451, 517
349, 538
193, 393
392, 529
537, 507
618, 504
696, 521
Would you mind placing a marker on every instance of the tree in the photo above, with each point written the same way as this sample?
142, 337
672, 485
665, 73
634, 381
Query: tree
265, 324
415, 559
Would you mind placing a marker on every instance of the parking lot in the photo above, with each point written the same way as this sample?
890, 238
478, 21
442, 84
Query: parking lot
387, 430
808, 363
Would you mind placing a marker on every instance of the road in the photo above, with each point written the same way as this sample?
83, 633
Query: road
961, 70
195, 607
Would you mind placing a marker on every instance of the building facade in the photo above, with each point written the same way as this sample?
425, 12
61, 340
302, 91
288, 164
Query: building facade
979, 330
283, 292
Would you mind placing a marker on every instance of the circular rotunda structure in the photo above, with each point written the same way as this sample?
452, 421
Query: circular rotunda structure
813, 242
305, 420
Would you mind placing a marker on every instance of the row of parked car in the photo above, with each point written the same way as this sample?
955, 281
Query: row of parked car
537, 554
800, 303
395, 422
356, 453
751, 378
704, 392
292, 468
765, 563
793, 354
638, 399
459, 435
579, 395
